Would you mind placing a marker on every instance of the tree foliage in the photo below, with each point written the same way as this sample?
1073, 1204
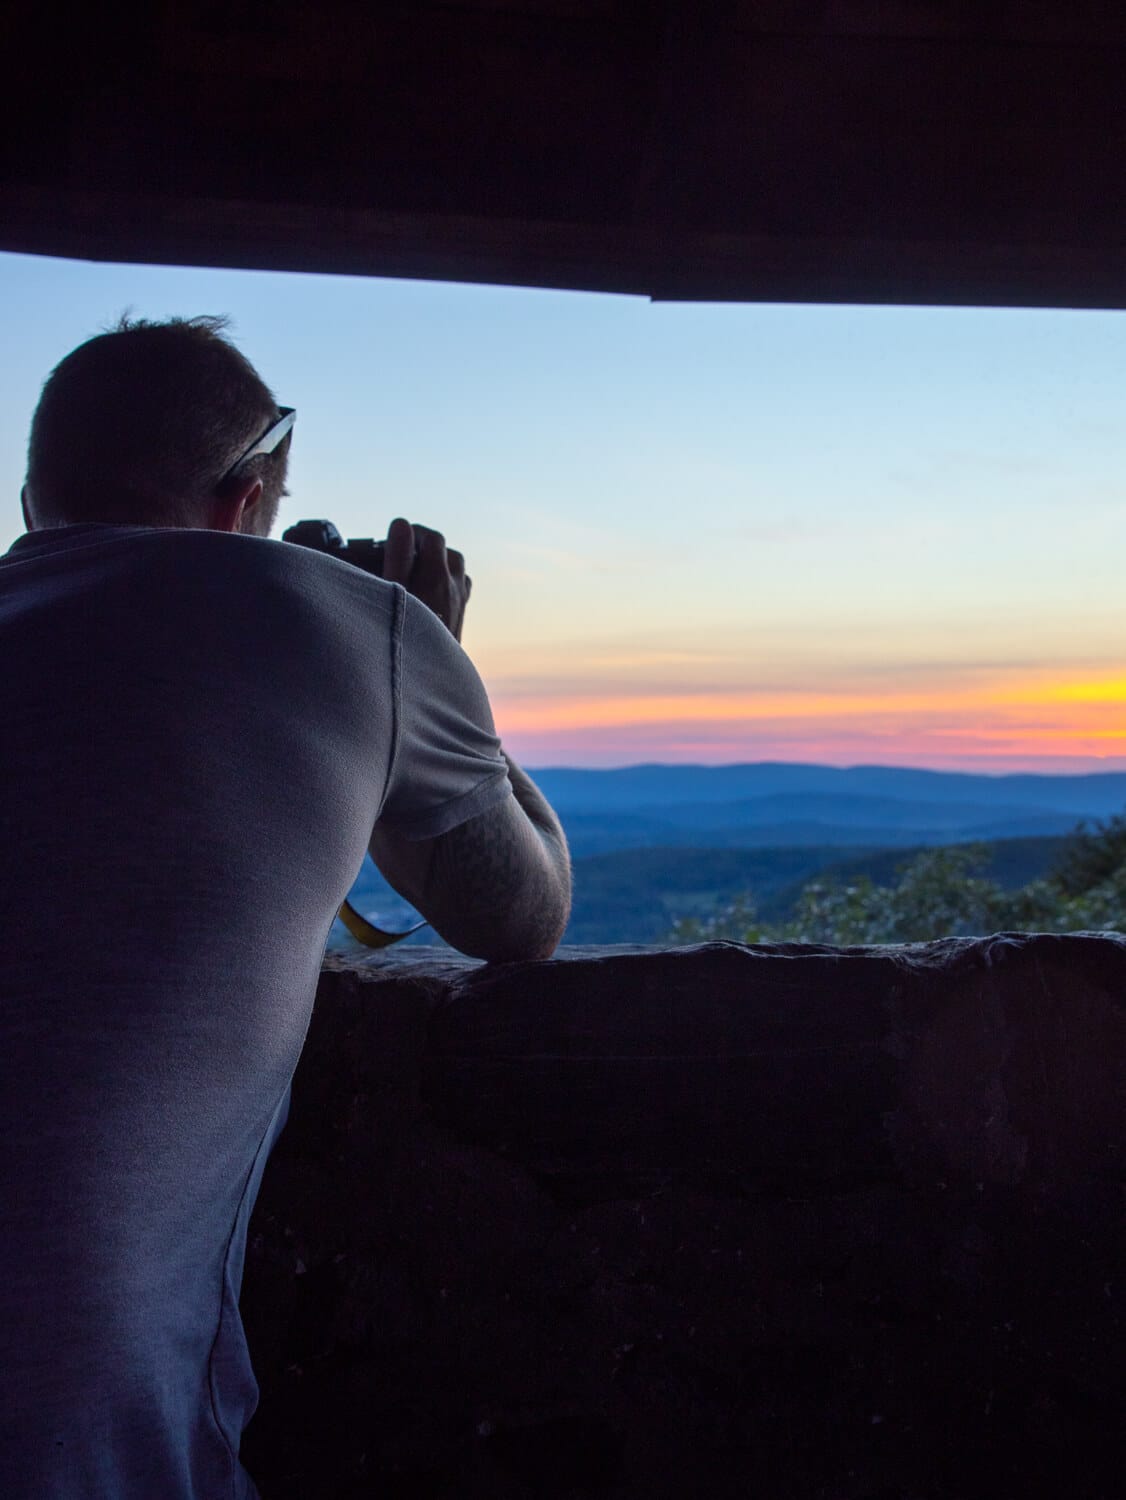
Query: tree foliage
941, 892
1092, 857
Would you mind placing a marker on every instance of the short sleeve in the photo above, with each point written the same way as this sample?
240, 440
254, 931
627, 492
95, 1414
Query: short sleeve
446, 764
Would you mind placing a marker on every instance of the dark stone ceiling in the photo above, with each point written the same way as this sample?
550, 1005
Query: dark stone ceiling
946, 151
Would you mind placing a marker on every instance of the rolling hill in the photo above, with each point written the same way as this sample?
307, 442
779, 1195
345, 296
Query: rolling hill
778, 806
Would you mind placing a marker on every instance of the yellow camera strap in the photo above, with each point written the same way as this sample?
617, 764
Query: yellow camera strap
368, 933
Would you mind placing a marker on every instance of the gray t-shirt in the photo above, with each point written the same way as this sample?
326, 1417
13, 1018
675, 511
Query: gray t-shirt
199, 732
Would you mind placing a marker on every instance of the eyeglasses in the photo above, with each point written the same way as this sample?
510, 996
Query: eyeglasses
269, 440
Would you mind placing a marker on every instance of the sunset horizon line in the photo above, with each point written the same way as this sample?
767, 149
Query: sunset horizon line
1031, 767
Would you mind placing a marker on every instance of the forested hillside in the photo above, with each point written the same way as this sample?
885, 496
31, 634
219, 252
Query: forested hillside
938, 893
638, 895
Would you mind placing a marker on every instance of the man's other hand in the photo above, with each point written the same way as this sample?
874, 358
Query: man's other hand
419, 559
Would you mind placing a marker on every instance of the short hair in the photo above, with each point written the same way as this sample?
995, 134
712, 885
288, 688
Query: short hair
138, 426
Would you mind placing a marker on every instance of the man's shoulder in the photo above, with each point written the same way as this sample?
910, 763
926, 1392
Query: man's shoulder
291, 586
161, 552
212, 584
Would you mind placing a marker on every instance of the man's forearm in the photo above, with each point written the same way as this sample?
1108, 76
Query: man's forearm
497, 887
503, 880
543, 819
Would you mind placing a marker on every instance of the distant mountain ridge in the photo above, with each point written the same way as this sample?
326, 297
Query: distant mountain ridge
1095, 794
783, 805
590, 835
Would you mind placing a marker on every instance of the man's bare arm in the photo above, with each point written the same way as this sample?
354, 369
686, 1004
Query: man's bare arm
498, 886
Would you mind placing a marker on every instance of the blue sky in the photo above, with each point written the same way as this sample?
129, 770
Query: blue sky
705, 532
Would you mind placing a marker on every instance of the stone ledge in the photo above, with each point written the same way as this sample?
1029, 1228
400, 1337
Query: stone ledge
723, 1221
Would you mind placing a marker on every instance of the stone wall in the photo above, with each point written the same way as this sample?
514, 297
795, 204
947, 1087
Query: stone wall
717, 1222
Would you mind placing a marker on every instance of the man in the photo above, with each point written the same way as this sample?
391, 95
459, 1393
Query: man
203, 732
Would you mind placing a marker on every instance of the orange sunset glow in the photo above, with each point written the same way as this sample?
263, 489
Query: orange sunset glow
1014, 723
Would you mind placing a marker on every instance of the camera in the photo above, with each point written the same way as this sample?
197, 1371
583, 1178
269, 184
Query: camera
322, 536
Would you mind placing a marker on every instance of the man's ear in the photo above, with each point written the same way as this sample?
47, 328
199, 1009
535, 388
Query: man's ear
235, 501
29, 525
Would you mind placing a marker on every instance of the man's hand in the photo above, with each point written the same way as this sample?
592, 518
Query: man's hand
418, 558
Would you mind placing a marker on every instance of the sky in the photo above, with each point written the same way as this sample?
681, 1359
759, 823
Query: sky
698, 532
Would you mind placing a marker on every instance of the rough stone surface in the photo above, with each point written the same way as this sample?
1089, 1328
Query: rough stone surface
837, 1224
